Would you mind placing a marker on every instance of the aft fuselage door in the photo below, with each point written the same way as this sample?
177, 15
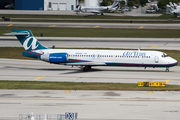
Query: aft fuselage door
156, 59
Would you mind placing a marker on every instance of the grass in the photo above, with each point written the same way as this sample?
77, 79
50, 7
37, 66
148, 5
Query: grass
80, 86
92, 18
97, 32
163, 16
96, 21
12, 52
6, 52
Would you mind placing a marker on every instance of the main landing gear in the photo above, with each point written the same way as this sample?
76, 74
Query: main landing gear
167, 69
86, 68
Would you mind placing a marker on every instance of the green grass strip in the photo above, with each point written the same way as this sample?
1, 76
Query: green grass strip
164, 16
96, 21
97, 32
80, 86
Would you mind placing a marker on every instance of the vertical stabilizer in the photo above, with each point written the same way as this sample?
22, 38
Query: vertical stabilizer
115, 4
27, 39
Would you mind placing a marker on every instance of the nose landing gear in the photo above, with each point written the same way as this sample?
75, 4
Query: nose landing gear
167, 69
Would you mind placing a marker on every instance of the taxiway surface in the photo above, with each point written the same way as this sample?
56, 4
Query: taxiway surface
92, 105
81, 42
92, 25
32, 70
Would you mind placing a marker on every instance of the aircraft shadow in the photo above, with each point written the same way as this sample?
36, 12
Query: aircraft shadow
71, 71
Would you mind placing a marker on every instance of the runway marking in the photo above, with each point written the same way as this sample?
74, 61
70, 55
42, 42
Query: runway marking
167, 80
141, 27
9, 25
152, 46
68, 46
52, 26
150, 92
39, 78
67, 91
95, 26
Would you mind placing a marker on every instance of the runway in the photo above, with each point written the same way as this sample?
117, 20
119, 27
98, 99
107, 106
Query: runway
92, 25
92, 105
81, 42
31, 70
63, 19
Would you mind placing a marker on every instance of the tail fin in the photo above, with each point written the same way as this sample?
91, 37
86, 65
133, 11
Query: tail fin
115, 4
27, 39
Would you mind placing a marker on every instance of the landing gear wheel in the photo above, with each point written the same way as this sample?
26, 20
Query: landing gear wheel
87, 68
167, 69
102, 14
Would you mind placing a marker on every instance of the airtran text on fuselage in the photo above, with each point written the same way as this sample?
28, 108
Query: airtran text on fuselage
134, 54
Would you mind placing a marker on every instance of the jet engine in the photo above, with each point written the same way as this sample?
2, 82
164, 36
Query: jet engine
55, 57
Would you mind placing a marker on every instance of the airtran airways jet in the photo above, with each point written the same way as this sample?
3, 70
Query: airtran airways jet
88, 58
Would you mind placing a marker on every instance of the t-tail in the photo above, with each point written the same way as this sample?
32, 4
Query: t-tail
27, 39
115, 4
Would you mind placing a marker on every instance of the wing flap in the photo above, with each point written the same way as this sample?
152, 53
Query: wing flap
89, 63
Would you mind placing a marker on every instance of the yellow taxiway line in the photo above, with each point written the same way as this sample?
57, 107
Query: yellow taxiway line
141, 27
95, 26
150, 92
39, 78
52, 26
167, 80
152, 46
9, 25
67, 91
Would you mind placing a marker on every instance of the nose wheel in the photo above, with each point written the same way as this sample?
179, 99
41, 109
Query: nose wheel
167, 69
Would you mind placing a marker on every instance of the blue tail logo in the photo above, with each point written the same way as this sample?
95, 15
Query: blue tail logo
27, 39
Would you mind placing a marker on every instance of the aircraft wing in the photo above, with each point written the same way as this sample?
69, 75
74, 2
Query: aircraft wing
94, 11
88, 63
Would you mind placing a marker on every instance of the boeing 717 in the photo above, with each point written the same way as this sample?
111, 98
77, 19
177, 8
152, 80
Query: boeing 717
86, 59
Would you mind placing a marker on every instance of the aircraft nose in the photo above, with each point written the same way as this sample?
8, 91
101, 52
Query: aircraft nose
174, 62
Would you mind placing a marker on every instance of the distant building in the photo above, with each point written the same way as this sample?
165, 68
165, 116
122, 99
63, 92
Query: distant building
45, 4
91, 3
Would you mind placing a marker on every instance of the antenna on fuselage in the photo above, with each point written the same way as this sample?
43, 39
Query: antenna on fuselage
53, 47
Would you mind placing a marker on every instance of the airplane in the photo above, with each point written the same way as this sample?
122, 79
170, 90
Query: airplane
174, 9
98, 10
86, 59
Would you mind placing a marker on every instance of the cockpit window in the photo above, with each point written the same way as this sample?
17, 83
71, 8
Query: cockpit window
165, 55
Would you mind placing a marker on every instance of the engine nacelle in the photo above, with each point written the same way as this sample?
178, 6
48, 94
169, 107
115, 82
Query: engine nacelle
55, 57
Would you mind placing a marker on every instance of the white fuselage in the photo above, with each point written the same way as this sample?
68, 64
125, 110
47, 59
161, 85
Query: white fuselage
97, 9
112, 57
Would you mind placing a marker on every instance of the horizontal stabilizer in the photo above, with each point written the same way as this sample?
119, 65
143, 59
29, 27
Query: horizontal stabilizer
15, 33
26, 38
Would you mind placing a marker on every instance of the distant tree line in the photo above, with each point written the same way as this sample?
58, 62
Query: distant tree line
106, 2
122, 3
